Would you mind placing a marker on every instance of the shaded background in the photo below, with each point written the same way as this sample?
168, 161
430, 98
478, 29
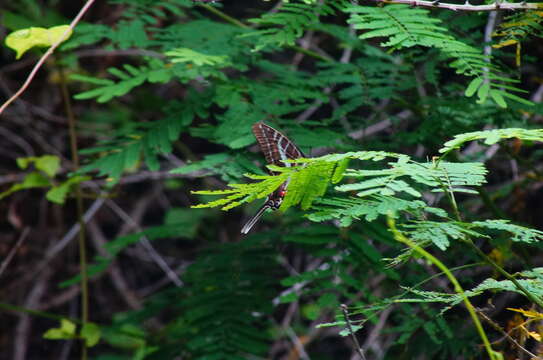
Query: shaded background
192, 264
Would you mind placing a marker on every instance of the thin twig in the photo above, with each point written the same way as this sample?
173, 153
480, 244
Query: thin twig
157, 258
13, 250
82, 243
59, 245
506, 335
489, 30
302, 354
22, 330
371, 339
351, 332
9, 135
46, 55
98, 238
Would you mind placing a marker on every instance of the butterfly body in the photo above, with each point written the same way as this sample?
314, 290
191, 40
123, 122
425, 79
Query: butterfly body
276, 148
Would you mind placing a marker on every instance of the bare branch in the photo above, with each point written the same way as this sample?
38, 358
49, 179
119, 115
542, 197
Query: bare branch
466, 6
46, 55
13, 250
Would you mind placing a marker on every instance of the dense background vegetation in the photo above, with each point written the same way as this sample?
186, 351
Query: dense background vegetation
431, 245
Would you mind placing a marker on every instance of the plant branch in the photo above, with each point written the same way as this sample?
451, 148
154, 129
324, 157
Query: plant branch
457, 287
351, 332
506, 335
467, 6
504, 273
13, 250
79, 210
486, 258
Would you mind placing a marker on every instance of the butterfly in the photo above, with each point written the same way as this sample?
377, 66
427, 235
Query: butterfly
276, 147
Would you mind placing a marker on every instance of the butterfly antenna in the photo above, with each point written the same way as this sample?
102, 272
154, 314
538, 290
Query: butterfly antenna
254, 219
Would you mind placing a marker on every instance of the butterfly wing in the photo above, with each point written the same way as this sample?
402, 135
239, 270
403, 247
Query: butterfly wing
275, 146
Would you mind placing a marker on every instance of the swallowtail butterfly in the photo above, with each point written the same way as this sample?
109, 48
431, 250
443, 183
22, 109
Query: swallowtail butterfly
276, 147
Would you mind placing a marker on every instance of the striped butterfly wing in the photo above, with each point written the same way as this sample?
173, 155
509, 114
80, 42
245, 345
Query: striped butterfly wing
276, 147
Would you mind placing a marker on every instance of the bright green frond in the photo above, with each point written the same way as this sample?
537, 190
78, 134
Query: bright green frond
491, 137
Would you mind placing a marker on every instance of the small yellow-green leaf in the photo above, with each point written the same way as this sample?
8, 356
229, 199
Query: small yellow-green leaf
91, 333
49, 164
32, 180
528, 313
23, 40
57, 194
65, 331
504, 43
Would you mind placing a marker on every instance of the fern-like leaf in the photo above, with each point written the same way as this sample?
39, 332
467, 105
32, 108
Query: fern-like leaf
407, 27
130, 77
519, 233
491, 137
149, 140
288, 24
347, 210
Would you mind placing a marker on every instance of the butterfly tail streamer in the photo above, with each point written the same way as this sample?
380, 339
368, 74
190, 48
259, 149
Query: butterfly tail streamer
254, 219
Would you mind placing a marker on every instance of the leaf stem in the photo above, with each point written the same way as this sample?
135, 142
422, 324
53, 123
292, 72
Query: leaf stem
79, 210
457, 288
485, 257
43, 314
503, 272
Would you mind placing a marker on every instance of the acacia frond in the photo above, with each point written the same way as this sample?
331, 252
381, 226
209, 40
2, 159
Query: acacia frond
288, 24
242, 193
128, 78
438, 175
519, 233
491, 137
406, 27
533, 282
312, 176
348, 209
439, 233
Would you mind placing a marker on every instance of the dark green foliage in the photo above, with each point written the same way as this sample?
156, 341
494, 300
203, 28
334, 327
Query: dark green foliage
220, 312
229, 293
288, 24
388, 93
